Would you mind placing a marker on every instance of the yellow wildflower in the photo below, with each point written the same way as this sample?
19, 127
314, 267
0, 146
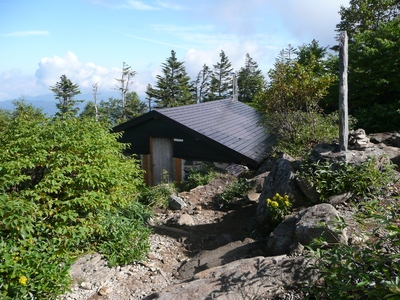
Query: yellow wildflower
274, 204
22, 280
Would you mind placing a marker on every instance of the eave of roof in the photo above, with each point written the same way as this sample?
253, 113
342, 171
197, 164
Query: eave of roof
223, 123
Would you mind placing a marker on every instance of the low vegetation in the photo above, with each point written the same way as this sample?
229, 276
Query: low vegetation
65, 189
200, 176
369, 269
365, 180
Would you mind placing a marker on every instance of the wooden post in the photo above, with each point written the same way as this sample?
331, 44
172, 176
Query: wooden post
343, 105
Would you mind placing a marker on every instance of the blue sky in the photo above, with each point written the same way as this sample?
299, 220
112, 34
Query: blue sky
88, 40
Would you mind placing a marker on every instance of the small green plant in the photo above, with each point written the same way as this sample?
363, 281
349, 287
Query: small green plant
237, 189
363, 180
368, 270
123, 239
200, 176
157, 196
278, 207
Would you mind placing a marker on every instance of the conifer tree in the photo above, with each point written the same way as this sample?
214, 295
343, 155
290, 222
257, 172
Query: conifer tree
221, 79
202, 83
172, 87
250, 80
65, 91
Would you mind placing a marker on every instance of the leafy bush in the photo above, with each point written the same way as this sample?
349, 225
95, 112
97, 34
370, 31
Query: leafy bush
58, 180
157, 195
123, 240
297, 132
332, 179
200, 176
237, 189
375, 118
363, 271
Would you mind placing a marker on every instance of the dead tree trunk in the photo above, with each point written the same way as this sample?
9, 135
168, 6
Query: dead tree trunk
343, 89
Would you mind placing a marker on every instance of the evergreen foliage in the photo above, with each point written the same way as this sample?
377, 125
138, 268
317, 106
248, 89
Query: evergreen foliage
373, 28
65, 91
250, 80
221, 79
202, 83
172, 88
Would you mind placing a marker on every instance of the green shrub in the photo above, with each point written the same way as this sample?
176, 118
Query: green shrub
375, 118
58, 179
236, 189
363, 180
362, 271
200, 176
123, 240
157, 196
298, 131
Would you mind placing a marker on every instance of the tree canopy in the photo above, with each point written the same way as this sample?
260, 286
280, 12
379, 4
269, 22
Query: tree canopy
173, 86
65, 91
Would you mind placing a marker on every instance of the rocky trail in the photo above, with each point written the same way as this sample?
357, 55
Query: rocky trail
200, 250
178, 235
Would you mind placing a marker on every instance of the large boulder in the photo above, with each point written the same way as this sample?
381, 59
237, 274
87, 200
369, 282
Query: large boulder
282, 180
253, 278
318, 221
207, 259
332, 153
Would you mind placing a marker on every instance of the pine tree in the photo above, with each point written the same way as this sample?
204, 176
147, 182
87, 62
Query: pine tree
250, 80
202, 83
65, 91
172, 87
221, 79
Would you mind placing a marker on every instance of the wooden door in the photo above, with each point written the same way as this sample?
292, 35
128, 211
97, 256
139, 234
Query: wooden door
161, 159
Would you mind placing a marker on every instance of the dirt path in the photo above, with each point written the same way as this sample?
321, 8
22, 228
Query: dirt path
177, 237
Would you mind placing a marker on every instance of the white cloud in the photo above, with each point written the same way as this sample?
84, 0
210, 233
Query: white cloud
84, 74
14, 84
27, 33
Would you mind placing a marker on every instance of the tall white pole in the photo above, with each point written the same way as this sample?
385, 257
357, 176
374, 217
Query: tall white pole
343, 90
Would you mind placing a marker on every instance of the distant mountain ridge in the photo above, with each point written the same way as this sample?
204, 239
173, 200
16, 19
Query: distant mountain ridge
48, 103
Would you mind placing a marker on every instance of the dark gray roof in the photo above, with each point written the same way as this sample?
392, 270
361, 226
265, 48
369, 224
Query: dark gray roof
232, 124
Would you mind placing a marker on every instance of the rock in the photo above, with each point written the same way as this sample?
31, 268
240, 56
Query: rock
387, 138
280, 180
253, 278
176, 203
392, 152
331, 153
308, 190
104, 291
252, 197
358, 140
320, 221
257, 182
222, 255
186, 219
339, 199
314, 222
86, 285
